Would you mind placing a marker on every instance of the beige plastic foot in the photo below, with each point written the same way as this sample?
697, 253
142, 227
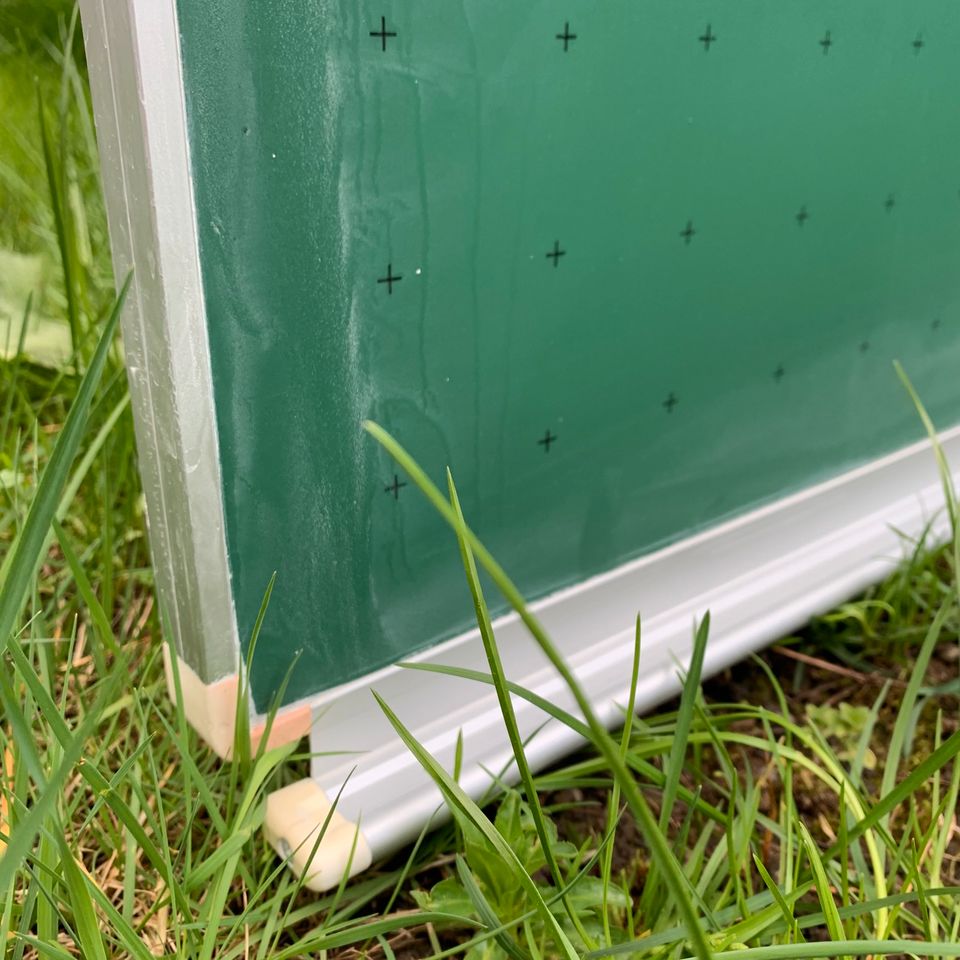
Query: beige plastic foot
295, 814
211, 709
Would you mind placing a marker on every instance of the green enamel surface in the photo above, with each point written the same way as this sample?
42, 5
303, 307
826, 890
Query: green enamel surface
459, 156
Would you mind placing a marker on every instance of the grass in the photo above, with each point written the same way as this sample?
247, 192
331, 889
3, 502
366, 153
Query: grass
801, 805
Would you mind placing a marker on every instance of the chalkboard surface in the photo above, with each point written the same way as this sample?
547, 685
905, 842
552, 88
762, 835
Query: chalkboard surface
629, 268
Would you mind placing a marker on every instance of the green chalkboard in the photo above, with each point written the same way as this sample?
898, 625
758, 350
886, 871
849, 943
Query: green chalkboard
629, 268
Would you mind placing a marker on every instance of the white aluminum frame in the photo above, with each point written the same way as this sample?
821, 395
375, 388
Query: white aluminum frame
133, 55
760, 575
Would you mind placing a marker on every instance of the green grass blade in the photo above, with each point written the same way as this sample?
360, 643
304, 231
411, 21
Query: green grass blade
688, 700
918, 672
464, 673
65, 243
785, 908
822, 884
232, 845
72, 745
45, 948
132, 945
942, 465
461, 805
73, 484
28, 551
847, 948
676, 881
241, 736
13, 375
84, 916
943, 468
22, 836
364, 931
101, 622
613, 803
506, 708
923, 771
646, 769
486, 912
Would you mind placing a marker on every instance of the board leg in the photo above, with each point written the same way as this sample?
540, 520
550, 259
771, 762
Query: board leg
211, 709
295, 817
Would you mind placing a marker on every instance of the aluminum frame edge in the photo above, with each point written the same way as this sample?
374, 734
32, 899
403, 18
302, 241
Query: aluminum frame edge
139, 106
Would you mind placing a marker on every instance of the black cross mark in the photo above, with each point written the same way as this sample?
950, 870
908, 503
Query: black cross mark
917, 44
688, 233
802, 216
826, 43
390, 279
779, 373
383, 33
890, 202
556, 253
395, 487
546, 440
707, 38
670, 402
566, 37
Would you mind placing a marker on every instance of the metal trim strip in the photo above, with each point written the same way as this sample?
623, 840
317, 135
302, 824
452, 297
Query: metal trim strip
137, 85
